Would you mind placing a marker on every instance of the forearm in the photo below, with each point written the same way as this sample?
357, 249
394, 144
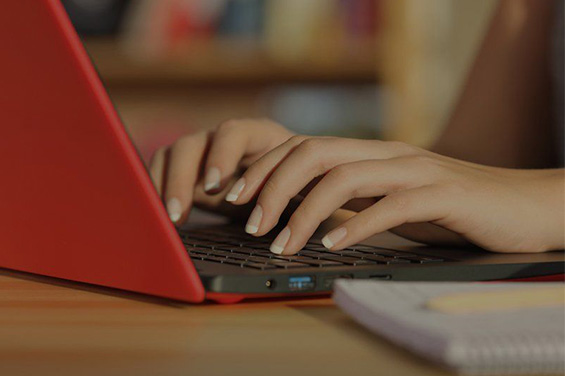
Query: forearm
549, 196
502, 117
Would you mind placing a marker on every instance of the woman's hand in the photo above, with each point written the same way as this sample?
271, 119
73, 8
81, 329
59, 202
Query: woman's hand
502, 210
199, 168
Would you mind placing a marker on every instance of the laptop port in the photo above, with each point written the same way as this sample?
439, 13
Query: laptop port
381, 276
301, 283
329, 281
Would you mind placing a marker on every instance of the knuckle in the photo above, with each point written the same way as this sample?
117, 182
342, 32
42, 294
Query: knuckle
300, 215
269, 189
304, 219
339, 174
228, 125
266, 121
310, 152
404, 148
187, 141
423, 162
398, 145
398, 202
297, 139
182, 142
158, 154
311, 146
161, 150
341, 178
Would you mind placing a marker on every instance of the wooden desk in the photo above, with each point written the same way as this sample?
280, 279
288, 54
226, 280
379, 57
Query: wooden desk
52, 328
48, 327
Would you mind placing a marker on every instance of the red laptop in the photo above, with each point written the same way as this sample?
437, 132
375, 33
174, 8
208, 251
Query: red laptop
76, 202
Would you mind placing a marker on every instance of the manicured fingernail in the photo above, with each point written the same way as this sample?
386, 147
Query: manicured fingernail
334, 237
280, 241
174, 209
212, 179
254, 220
234, 192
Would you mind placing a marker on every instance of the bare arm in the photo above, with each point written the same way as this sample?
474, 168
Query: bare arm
503, 117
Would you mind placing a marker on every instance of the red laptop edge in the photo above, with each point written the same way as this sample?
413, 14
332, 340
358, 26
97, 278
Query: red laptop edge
54, 103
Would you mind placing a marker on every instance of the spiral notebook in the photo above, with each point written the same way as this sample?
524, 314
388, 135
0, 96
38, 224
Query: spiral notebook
499, 328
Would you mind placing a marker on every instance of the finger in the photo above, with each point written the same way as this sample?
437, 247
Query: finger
217, 204
355, 205
339, 186
317, 154
157, 169
419, 205
255, 176
311, 158
234, 140
185, 161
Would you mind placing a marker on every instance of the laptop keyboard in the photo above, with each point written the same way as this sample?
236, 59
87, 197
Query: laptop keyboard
230, 246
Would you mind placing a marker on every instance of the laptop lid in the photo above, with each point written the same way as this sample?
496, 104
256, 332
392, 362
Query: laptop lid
75, 199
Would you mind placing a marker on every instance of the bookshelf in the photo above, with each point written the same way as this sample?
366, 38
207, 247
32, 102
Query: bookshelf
241, 62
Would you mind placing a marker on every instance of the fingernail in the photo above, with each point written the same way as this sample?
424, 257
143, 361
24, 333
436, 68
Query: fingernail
212, 179
334, 237
254, 220
234, 192
280, 241
174, 209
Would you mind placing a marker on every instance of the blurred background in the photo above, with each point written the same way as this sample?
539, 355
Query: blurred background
388, 69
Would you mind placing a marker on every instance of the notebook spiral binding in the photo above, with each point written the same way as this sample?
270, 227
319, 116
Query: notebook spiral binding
508, 354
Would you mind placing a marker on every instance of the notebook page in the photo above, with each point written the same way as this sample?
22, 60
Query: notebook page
519, 341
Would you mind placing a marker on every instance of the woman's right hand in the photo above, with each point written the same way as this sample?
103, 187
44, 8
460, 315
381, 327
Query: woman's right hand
199, 169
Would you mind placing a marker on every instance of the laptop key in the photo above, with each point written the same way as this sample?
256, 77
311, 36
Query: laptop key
257, 265
421, 259
237, 257
234, 262
351, 254
364, 262
286, 264
314, 243
258, 259
220, 253
197, 257
255, 245
312, 254
386, 252
341, 259
317, 248
384, 260
214, 258
360, 247
323, 263
227, 243
246, 250
310, 261
263, 253
204, 251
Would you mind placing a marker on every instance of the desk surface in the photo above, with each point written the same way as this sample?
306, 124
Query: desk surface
48, 327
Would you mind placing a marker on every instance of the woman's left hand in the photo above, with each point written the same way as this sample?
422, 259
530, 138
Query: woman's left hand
501, 210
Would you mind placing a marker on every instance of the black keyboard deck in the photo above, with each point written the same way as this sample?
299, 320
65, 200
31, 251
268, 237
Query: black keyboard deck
232, 247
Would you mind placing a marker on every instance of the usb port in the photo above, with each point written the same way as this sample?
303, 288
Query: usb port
301, 283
